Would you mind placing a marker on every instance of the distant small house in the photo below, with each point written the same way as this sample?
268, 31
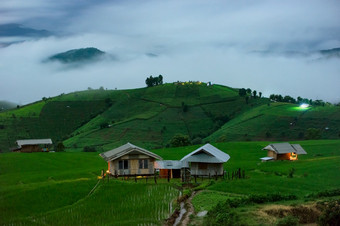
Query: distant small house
170, 168
33, 145
206, 160
283, 151
129, 159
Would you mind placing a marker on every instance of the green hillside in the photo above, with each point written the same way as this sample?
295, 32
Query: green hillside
281, 121
151, 117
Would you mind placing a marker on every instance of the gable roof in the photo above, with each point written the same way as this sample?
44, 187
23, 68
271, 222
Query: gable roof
126, 149
283, 148
33, 141
207, 154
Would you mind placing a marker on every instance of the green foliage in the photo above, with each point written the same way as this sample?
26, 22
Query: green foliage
154, 81
196, 140
330, 213
242, 92
89, 149
313, 134
104, 125
288, 221
60, 147
180, 140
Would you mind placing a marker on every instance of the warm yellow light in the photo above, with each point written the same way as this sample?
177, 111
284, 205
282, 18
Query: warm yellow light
293, 156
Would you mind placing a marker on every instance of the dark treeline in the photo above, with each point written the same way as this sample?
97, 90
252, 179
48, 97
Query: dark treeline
154, 81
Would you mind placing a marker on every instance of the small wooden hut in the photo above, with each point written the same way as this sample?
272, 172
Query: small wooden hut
170, 168
284, 151
206, 160
33, 145
130, 160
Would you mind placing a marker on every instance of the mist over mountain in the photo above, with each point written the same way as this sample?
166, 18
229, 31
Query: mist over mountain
83, 55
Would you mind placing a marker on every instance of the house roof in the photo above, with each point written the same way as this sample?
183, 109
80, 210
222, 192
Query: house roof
33, 141
126, 149
283, 148
207, 154
171, 164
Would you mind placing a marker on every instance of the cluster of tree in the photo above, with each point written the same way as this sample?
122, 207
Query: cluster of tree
248, 93
154, 81
299, 100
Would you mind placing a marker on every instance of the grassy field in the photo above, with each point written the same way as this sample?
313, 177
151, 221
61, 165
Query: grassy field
56, 185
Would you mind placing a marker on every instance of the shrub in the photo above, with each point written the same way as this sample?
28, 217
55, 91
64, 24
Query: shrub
197, 140
331, 214
60, 147
180, 140
89, 149
104, 125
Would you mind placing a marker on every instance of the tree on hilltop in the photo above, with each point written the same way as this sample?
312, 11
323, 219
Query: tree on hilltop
154, 81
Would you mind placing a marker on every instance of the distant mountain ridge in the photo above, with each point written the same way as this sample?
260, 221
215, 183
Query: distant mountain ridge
11, 30
78, 55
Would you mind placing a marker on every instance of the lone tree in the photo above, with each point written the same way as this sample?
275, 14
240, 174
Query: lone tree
254, 94
242, 92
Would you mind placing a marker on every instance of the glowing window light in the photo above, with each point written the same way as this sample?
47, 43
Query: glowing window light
304, 105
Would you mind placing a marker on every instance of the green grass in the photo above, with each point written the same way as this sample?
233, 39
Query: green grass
150, 117
280, 121
55, 185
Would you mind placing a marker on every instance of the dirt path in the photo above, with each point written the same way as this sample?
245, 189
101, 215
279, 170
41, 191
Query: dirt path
190, 209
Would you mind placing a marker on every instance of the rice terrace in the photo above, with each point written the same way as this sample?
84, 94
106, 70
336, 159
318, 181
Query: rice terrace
182, 153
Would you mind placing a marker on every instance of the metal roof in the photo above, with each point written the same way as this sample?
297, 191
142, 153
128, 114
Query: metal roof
126, 149
299, 149
283, 148
170, 164
207, 154
33, 141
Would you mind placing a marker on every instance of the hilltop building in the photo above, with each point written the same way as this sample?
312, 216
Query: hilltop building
129, 159
206, 160
33, 145
283, 151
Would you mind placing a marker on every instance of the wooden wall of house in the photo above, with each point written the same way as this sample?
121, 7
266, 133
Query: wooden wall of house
285, 156
272, 154
133, 165
30, 148
204, 169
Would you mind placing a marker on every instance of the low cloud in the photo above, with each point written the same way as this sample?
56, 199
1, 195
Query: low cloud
182, 40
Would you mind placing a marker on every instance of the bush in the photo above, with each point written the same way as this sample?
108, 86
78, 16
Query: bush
180, 140
89, 149
104, 125
197, 140
288, 221
60, 147
331, 214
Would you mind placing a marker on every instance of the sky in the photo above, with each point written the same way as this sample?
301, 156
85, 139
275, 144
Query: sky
268, 46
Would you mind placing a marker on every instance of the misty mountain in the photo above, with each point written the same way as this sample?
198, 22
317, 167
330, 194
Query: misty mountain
328, 53
335, 52
6, 105
78, 55
11, 30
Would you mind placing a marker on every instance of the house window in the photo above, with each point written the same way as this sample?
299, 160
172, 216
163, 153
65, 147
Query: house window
123, 164
202, 166
143, 164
